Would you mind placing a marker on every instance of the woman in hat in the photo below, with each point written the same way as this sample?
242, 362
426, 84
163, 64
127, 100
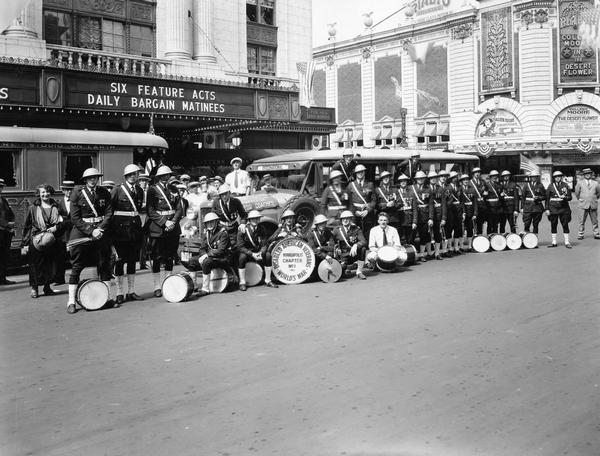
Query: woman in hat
43, 225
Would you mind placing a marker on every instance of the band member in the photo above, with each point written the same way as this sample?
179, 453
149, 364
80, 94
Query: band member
351, 245
493, 199
411, 166
405, 210
587, 192
287, 227
64, 208
345, 166
558, 196
455, 212
510, 203
164, 213
532, 202
143, 181
7, 231
231, 212
361, 198
381, 235
252, 246
440, 209
468, 199
480, 189
423, 213
385, 196
126, 231
214, 251
238, 180
91, 213
321, 239
334, 199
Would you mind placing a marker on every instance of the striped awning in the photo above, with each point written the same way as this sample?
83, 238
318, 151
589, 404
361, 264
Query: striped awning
357, 135
386, 133
337, 136
420, 130
397, 132
376, 134
443, 129
431, 129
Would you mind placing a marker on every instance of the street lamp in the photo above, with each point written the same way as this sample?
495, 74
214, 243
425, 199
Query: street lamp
236, 141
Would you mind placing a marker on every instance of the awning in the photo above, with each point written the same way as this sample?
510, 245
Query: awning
444, 129
83, 137
376, 134
337, 137
386, 133
348, 135
420, 130
357, 135
396, 132
431, 129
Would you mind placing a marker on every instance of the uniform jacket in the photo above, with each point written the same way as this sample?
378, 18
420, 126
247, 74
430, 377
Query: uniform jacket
123, 227
6, 214
230, 211
423, 209
440, 206
404, 202
333, 201
453, 202
323, 243
345, 169
469, 202
479, 188
283, 232
384, 194
494, 196
533, 197
346, 238
558, 197
252, 240
409, 168
80, 210
32, 225
510, 197
587, 193
156, 203
359, 194
215, 244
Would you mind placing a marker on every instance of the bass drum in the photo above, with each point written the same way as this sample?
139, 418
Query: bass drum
513, 241
481, 244
219, 280
411, 254
387, 258
530, 240
497, 242
254, 273
330, 272
178, 287
92, 294
293, 260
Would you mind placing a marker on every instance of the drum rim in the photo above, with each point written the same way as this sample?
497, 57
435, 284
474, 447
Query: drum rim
262, 276
180, 275
336, 264
78, 293
477, 239
304, 279
226, 277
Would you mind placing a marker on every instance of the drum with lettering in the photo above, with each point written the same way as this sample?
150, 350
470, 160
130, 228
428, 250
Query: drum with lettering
293, 260
219, 280
530, 240
387, 258
411, 254
481, 244
92, 294
178, 287
497, 242
330, 272
254, 273
513, 241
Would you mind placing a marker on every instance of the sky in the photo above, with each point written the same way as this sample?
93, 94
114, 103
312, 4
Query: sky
348, 15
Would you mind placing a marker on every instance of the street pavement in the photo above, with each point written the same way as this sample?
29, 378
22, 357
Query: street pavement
485, 354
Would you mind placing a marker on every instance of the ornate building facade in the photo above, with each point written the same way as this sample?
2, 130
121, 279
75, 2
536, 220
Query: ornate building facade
507, 80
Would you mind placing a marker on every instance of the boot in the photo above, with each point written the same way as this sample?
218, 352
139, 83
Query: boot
131, 294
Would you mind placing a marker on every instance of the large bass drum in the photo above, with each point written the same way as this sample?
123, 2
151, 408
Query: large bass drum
497, 242
387, 258
254, 273
92, 294
178, 287
219, 280
530, 240
481, 244
513, 241
411, 254
293, 260
330, 272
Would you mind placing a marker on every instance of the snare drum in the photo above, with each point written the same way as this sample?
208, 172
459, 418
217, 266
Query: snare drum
178, 287
513, 241
481, 244
497, 242
92, 294
254, 273
530, 240
387, 258
330, 272
219, 280
411, 254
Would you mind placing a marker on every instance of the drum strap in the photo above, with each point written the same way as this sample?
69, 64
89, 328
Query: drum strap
159, 188
556, 190
89, 201
467, 196
530, 189
383, 194
226, 212
476, 189
359, 193
420, 201
335, 195
249, 230
317, 238
402, 198
134, 207
342, 229
494, 188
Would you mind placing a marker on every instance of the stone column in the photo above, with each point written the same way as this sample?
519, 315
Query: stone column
178, 29
203, 31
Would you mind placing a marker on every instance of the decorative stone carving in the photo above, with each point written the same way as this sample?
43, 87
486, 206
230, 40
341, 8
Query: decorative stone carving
496, 50
262, 34
330, 60
462, 31
278, 107
366, 53
140, 12
115, 7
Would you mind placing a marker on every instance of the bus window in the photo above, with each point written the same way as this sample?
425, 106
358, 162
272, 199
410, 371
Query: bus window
10, 167
74, 164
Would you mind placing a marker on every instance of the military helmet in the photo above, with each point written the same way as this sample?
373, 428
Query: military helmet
288, 213
210, 217
346, 214
163, 171
91, 172
254, 214
320, 219
130, 169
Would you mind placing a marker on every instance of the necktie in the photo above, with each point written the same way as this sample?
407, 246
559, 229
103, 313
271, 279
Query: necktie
385, 241
235, 182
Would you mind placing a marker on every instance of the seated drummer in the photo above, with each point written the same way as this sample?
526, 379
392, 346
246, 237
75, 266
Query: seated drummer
382, 235
350, 243
252, 246
321, 239
287, 227
214, 251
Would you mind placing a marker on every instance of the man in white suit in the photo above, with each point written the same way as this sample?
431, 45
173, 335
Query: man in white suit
381, 235
587, 192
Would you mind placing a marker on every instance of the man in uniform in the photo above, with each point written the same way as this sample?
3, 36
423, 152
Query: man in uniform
345, 166
480, 189
386, 195
440, 209
164, 213
423, 213
493, 199
231, 212
321, 240
351, 245
252, 246
558, 195
382, 235
126, 231
287, 227
64, 209
7, 231
91, 213
238, 180
361, 199
405, 214
143, 181
587, 192
532, 202
108, 185
334, 199
510, 206
455, 212
410, 166
468, 199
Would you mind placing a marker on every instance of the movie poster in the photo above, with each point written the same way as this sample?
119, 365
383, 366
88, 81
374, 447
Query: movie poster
432, 81
388, 87
349, 93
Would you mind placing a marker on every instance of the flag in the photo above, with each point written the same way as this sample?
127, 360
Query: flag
11, 10
527, 165
306, 71
150, 165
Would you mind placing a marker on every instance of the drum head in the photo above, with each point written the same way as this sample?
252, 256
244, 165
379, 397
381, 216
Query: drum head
254, 274
92, 294
411, 255
530, 240
481, 244
402, 257
498, 242
293, 260
513, 241
330, 272
388, 253
177, 287
218, 280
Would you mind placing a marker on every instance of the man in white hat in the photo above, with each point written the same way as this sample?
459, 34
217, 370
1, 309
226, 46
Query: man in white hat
231, 212
345, 166
334, 199
351, 245
493, 199
239, 180
587, 192
510, 203
385, 195
423, 213
361, 199
127, 201
532, 202
164, 213
558, 195
91, 213
7, 231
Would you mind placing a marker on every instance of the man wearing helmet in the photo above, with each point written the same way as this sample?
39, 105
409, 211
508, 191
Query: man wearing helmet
532, 201
455, 213
423, 213
91, 213
231, 212
345, 166
334, 199
410, 166
164, 212
510, 203
287, 227
127, 200
493, 198
320, 238
361, 199
252, 246
385, 195
558, 195
469, 202
351, 245
405, 210
440, 208
480, 188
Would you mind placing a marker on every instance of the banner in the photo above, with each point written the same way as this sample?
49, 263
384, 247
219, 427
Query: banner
496, 50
